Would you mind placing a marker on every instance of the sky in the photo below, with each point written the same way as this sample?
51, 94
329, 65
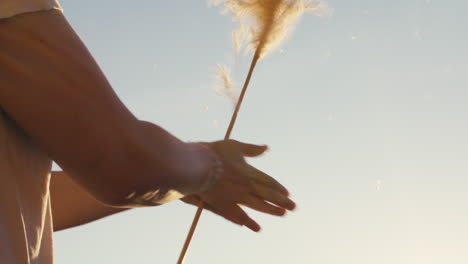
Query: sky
364, 109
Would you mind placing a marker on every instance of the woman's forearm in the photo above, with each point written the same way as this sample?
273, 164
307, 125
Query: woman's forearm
72, 205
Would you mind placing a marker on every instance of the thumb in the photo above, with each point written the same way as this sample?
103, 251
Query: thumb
251, 150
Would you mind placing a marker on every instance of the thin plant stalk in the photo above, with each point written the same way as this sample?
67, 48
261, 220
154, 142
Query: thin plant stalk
190, 233
226, 137
241, 96
267, 29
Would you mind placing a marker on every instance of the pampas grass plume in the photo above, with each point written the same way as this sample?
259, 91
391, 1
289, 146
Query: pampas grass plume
264, 24
224, 84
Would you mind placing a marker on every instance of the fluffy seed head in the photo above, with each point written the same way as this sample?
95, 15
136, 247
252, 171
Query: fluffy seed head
265, 23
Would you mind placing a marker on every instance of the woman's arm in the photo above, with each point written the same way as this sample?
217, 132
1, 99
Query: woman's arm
72, 205
52, 87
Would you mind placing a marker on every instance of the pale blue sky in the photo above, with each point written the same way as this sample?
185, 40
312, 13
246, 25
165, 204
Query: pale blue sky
365, 112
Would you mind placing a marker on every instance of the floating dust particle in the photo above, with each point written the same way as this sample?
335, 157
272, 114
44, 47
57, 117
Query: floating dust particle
378, 186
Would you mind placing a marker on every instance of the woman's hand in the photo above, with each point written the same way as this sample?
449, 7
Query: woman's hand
242, 184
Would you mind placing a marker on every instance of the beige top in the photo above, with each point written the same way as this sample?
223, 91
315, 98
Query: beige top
25, 212
9, 8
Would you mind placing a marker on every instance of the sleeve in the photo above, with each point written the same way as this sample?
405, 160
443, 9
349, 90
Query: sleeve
10, 8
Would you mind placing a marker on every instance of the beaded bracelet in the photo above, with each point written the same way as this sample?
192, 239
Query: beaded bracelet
216, 169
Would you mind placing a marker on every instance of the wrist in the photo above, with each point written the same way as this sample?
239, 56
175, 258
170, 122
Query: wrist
210, 169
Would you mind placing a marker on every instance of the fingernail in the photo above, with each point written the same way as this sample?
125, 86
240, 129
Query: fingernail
294, 207
291, 205
256, 229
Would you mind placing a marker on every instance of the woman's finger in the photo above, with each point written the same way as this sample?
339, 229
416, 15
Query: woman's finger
250, 150
234, 212
272, 196
260, 177
195, 200
260, 205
